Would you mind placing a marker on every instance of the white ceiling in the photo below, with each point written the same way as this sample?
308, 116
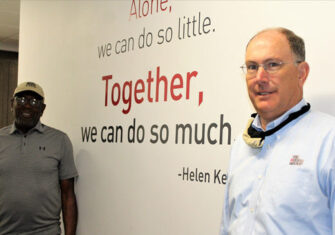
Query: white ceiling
9, 24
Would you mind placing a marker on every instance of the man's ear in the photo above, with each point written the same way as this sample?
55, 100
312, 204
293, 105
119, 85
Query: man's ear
42, 109
303, 68
11, 104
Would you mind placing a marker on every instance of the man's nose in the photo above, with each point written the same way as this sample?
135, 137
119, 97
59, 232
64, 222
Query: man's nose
262, 74
27, 104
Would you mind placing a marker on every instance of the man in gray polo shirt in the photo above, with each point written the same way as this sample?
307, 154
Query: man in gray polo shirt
37, 171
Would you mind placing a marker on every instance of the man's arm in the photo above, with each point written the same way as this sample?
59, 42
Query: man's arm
69, 206
225, 213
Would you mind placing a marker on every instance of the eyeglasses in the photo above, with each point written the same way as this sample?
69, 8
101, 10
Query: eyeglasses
250, 68
23, 101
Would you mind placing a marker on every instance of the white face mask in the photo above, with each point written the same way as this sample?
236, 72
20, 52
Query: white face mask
254, 142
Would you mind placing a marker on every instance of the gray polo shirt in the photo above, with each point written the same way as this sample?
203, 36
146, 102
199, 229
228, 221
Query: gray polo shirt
31, 166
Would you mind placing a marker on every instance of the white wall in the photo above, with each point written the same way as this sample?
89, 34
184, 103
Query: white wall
134, 188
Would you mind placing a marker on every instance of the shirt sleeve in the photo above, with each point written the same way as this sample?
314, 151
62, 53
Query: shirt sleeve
225, 220
225, 213
67, 168
326, 165
331, 188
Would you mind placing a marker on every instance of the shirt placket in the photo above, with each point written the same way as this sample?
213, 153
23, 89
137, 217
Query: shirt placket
24, 143
258, 183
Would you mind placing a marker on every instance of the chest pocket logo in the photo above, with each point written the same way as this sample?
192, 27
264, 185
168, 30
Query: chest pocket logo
295, 160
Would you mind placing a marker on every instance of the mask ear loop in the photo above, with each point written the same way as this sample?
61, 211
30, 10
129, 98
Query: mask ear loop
255, 139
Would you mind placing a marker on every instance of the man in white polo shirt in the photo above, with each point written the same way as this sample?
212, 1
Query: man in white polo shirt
37, 171
281, 178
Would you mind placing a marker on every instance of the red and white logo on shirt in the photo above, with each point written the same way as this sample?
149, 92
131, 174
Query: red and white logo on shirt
295, 160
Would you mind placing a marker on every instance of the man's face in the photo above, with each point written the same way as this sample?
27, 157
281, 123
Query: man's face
273, 94
27, 115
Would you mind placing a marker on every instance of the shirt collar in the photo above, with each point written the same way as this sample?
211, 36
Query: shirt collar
39, 127
257, 122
